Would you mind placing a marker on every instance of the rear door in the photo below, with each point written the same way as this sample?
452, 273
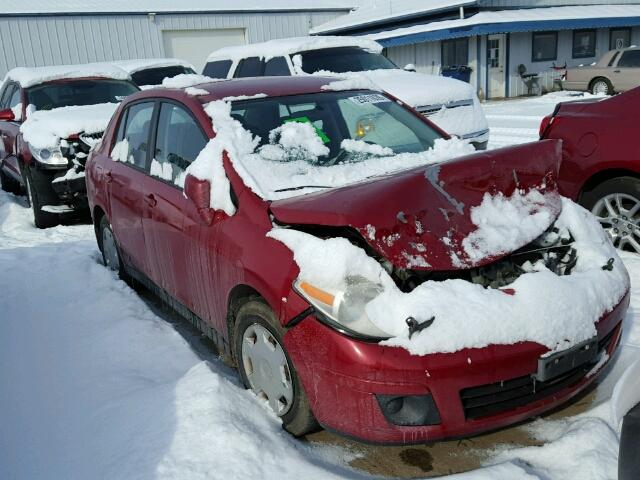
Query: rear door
626, 74
128, 177
178, 140
11, 98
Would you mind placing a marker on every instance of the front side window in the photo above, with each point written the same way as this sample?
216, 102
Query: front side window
155, 76
544, 46
78, 92
619, 38
630, 59
14, 101
584, 43
343, 59
7, 95
276, 67
133, 146
455, 52
179, 140
217, 69
250, 67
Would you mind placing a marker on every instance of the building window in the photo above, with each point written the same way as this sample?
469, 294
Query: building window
584, 43
544, 46
455, 52
619, 38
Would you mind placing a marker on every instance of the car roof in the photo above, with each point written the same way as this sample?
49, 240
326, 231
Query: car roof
29, 76
133, 66
288, 46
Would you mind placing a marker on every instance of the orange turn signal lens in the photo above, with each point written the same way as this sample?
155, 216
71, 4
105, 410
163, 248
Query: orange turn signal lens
317, 293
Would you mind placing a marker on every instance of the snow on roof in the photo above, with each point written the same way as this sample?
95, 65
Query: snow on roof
133, 66
514, 17
287, 46
29, 76
47, 7
387, 11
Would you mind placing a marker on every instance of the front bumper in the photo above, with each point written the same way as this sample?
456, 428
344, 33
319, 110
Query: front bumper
343, 377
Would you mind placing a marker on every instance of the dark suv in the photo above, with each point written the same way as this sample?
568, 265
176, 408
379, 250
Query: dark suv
50, 118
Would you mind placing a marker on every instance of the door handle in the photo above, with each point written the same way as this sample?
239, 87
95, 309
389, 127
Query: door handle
151, 200
616, 71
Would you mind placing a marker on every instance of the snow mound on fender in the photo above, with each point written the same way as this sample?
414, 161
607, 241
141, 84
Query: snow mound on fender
555, 311
45, 128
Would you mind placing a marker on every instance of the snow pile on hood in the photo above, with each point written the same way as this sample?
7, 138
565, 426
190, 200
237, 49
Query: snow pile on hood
506, 223
555, 311
185, 80
133, 66
45, 128
30, 76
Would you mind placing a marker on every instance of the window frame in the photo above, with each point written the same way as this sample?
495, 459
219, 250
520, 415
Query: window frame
455, 42
611, 30
154, 136
125, 116
533, 38
595, 42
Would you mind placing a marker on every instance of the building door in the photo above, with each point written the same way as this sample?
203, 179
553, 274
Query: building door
496, 65
196, 45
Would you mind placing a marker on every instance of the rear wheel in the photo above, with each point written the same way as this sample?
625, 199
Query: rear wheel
265, 368
40, 193
601, 86
616, 204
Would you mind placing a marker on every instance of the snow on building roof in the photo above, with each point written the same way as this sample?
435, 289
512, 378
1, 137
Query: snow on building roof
53, 7
29, 76
517, 20
387, 11
133, 66
287, 46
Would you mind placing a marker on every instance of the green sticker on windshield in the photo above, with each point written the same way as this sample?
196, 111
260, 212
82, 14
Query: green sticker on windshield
319, 132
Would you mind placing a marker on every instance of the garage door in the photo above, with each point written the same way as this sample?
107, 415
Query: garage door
196, 45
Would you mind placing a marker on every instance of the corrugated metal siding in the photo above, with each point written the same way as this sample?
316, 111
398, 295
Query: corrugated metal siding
54, 40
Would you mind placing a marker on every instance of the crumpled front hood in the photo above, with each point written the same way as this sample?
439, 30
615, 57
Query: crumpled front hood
420, 218
419, 89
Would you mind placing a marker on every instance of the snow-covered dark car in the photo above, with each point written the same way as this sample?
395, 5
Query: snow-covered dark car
149, 72
362, 270
50, 118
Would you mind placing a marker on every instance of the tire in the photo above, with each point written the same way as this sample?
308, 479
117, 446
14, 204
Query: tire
40, 193
601, 86
616, 203
111, 257
8, 184
297, 419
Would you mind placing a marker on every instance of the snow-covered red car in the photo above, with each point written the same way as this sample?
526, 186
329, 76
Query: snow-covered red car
451, 104
362, 270
50, 118
149, 72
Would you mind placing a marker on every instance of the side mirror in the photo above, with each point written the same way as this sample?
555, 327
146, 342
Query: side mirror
6, 115
410, 67
199, 192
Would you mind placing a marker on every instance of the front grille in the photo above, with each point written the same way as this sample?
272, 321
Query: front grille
428, 110
492, 399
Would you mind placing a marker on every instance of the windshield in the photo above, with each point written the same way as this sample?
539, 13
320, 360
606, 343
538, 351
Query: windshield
78, 93
343, 59
155, 76
333, 127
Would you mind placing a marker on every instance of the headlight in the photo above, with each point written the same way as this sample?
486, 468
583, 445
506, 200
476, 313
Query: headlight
344, 310
48, 156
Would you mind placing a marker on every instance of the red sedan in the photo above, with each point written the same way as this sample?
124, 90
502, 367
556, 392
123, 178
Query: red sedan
600, 161
314, 232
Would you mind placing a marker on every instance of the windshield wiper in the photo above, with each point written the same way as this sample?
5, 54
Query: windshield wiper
301, 187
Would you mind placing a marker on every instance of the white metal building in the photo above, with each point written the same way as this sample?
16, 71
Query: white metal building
52, 32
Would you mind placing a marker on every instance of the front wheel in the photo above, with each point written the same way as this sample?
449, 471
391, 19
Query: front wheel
265, 368
616, 204
109, 248
40, 193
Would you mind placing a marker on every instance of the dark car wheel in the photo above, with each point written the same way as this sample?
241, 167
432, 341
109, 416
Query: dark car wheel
601, 86
109, 248
8, 184
39, 194
629, 460
616, 203
265, 367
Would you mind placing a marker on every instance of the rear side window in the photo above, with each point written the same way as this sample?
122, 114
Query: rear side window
134, 144
250, 67
276, 67
155, 76
217, 69
178, 142
630, 59
613, 59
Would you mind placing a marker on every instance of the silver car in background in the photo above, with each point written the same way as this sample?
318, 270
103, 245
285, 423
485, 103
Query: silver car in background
616, 71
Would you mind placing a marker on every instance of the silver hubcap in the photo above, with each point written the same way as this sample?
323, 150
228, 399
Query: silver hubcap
600, 88
111, 258
267, 369
619, 215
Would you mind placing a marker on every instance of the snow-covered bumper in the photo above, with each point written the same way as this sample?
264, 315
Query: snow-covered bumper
384, 394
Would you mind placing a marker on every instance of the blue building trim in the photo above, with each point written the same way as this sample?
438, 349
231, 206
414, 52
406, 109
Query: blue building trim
509, 27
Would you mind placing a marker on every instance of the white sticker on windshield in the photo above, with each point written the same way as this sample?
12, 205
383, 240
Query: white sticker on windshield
370, 98
120, 97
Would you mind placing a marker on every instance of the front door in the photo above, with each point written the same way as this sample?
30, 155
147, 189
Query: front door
11, 98
496, 65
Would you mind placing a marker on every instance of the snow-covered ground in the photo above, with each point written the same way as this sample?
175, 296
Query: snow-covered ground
94, 384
